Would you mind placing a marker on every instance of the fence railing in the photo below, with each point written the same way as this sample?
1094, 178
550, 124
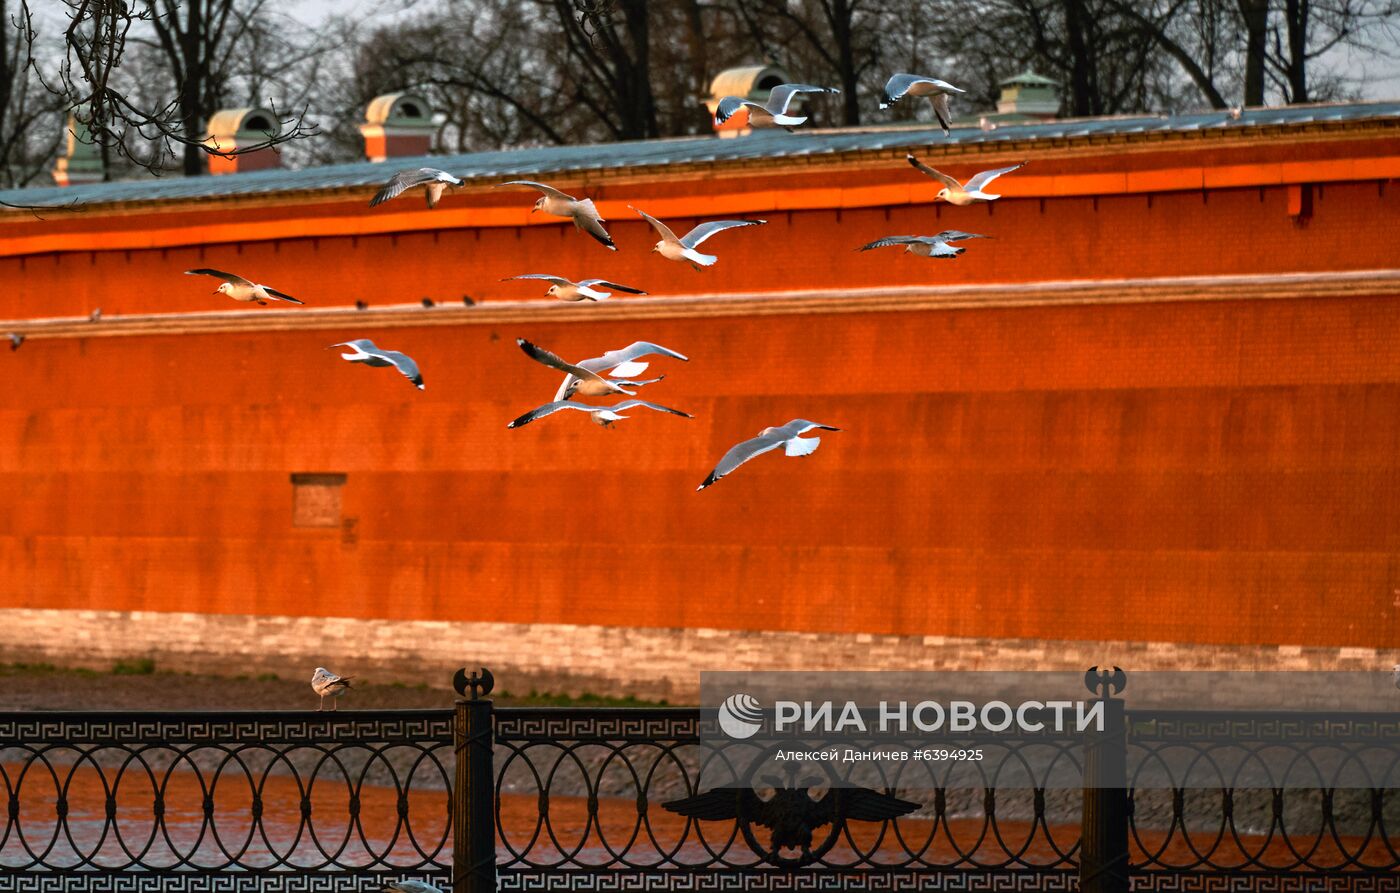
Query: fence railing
481, 799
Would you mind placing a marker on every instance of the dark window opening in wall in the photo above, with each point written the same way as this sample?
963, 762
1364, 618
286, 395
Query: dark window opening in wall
316, 499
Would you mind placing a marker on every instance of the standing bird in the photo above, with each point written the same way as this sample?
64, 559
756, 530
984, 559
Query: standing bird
16, 339
433, 181
241, 289
788, 437
673, 248
579, 210
583, 290
774, 112
927, 246
584, 382
367, 353
96, 314
955, 193
902, 85
328, 685
603, 416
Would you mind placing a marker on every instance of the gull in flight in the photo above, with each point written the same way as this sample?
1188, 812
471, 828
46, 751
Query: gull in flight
603, 416
673, 248
241, 289
433, 181
579, 210
583, 290
410, 886
902, 85
365, 352
927, 246
328, 685
584, 382
622, 363
955, 193
774, 112
788, 436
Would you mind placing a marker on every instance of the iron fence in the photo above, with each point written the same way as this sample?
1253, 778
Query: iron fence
481, 799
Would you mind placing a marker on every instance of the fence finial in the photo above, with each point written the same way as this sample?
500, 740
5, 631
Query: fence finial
1105, 684
480, 683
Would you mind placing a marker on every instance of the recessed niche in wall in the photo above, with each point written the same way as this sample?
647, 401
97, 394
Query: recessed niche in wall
316, 499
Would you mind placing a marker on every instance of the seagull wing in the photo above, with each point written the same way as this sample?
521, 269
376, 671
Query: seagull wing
540, 355
281, 296
798, 427
662, 229
937, 175
220, 274
542, 187
887, 241
593, 225
743, 452
898, 86
630, 352
629, 404
540, 412
404, 363
404, 180
612, 285
557, 280
956, 235
710, 227
979, 182
781, 98
941, 111
727, 108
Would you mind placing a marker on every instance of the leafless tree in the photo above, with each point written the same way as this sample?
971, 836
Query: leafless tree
30, 124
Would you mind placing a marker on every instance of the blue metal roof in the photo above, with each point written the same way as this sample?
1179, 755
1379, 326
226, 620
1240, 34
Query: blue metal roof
513, 163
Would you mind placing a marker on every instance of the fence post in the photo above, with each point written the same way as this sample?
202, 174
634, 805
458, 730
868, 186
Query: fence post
474, 788
1103, 849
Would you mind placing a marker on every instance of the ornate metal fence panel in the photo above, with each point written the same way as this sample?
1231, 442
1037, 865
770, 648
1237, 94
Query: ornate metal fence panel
224, 801
1268, 800
635, 799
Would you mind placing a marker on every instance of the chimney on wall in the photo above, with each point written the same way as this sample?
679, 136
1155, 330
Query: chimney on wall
397, 125
231, 129
753, 82
81, 161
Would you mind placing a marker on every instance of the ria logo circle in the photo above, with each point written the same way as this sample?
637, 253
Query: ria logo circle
740, 716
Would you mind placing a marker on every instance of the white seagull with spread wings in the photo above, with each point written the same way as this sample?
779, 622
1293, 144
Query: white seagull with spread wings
582, 381
927, 246
434, 181
956, 193
580, 210
603, 416
622, 363
239, 289
583, 290
673, 248
902, 85
788, 436
365, 352
774, 112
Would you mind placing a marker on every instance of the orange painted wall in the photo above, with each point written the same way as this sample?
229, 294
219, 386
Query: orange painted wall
1220, 472
1193, 472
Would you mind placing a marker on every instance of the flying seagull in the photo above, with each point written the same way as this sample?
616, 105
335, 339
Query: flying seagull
955, 193
927, 246
241, 289
603, 416
328, 685
367, 353
788, 437
579, 210
774, 112
673, 248
410, 886
622, 363
585, 382
433, 181
16, 339
583, 290
902, 85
